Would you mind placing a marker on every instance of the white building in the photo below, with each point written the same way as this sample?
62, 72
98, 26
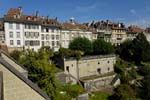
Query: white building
50, 33
73, 30
2, 33
30, 32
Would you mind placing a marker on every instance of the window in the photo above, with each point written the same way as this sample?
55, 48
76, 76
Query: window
11, 34
99, 70
32, 34
67, 68
57, 43
47, 36
18, 34
53, 43
42, 36
108, 61
18, 42
53, 37
47, 43
47, 30
36, 34
42, 43
57, 37
108, 69
10, 25
11, 42
27, 34
27, 43
17, 26
52, 30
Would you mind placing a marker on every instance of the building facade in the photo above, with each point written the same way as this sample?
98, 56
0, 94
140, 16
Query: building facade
30, 32
2, 33
110, 31
73, 30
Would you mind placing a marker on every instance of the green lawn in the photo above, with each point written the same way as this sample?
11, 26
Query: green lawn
99, 96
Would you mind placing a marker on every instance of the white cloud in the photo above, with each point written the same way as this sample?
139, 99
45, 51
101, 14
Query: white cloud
85, 8
133, 11
142, 22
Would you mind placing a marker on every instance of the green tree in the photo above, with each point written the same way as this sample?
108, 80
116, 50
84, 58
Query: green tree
82, 44
16, 54
136, 50
145, 89
123, 92
41, 71
102, 47
126, 50
141, 48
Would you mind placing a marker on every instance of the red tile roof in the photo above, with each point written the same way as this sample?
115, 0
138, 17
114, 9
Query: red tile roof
16, 14
135, 29
74, 26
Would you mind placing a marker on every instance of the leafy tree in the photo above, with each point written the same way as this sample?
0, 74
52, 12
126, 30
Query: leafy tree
41, 71
123, 92
141, 46
145, 89
16, 54
126, 50
136, 50
145, 70
82, 44
102, 47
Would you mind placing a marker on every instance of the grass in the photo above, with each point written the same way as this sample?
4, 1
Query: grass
99, 96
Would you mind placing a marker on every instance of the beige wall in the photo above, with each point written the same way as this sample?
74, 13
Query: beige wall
16, 66
89, 67
16, 89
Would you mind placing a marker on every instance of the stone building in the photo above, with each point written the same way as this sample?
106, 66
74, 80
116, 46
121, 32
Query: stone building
110, 31
73, 30
133, 31
14, 84
90, 70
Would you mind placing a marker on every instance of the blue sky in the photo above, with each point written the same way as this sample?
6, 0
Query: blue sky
127, 11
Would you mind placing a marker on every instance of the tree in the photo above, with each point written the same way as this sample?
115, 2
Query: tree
140, 46
82, 44
136, 50
102, 47
126, 50
16, 54
123, 92
41, 71
145, 89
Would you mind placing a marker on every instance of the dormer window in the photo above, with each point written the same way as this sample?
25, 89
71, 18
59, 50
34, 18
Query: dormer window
18, 16
28, 18
15, 16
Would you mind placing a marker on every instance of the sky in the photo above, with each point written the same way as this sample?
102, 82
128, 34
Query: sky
136, 12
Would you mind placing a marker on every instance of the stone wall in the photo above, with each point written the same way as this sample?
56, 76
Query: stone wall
89, 66
17, 89
96, 84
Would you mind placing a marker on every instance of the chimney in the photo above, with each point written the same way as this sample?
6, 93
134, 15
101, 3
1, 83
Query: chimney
56, 18
72, 20
37, 13
20, 8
